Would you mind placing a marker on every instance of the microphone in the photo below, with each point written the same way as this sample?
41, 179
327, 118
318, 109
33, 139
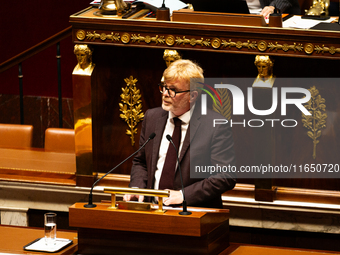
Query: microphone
90, 204
163, 13
185, 211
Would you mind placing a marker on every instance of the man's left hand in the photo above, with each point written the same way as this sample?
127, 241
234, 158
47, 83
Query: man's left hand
176, 197
267, 11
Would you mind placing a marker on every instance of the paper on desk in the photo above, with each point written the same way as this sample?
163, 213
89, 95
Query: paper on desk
298, 22
173, 5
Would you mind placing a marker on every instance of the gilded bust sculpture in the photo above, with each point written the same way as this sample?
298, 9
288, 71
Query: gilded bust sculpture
265, 77
171, 56
84, 56
319, 7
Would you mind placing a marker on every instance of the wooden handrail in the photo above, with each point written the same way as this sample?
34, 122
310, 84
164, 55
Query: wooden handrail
35, 49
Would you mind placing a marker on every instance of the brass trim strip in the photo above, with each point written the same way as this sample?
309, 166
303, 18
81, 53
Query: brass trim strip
136, 191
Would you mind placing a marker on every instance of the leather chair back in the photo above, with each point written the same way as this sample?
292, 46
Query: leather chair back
16, 136
59, 140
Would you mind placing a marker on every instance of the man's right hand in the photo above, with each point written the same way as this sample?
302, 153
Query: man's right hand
128, 197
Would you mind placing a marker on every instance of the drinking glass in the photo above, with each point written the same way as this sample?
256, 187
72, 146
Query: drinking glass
50, 228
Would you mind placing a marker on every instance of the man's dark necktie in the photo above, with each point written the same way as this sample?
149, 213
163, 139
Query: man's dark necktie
169, 168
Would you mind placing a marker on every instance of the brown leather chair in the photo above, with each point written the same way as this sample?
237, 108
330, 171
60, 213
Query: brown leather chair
59, 140
16, 136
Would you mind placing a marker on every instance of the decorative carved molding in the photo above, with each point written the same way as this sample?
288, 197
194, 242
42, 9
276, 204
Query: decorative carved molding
192, 41
317, 121
93, 36
249, 45
126, 38
323, 49
309, 48
81, 34
285, 47
215, 42
131, 107
148, 39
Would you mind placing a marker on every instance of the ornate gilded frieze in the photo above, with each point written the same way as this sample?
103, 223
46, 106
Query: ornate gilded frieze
317, 121
239, 45
285, 47
131, 107
147, 39
192, 41
93, 36
323, 49
214, 43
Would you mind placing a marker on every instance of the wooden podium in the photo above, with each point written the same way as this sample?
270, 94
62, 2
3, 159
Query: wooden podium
106, 231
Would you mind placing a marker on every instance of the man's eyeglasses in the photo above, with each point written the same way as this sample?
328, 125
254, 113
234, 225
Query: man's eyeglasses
171, 92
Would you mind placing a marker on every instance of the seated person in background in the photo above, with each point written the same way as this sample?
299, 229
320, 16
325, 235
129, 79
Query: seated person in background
263, 7
267, 7
199, 143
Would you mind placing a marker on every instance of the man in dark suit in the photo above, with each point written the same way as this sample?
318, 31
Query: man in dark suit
284, 6
201, 144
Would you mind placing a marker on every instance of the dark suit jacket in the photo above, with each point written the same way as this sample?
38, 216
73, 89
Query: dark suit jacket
285, 6
203, 145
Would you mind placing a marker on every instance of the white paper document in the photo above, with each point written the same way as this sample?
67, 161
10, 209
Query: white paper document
298, 22
173, 5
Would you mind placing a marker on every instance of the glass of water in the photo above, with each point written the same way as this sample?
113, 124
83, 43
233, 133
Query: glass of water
50, 228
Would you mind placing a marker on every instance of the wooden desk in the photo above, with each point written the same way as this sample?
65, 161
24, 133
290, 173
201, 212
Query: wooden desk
36, 165
13, 239
245, 249
91, 29
102, 230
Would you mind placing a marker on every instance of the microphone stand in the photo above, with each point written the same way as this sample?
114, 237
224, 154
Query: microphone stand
90, 204
163, 13
185, 210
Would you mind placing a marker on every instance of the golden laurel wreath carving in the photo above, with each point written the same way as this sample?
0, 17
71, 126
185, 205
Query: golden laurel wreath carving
131, 107
225, 108
317, 121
